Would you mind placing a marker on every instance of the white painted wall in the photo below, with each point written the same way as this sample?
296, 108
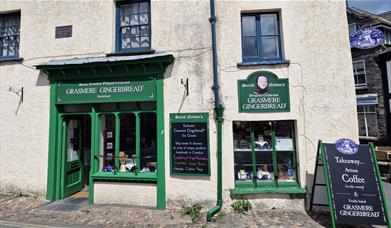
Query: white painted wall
315, 40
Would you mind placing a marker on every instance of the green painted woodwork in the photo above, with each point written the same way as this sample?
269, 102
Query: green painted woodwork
275, 98
103, 91
326, 175
381, 184
138, 133
190, 118
255, 190
161, 169
128, 70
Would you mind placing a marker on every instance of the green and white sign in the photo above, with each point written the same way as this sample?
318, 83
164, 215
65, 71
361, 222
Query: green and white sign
263, 91
105, 91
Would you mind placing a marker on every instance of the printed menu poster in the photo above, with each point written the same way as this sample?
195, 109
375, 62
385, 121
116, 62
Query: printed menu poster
355, 188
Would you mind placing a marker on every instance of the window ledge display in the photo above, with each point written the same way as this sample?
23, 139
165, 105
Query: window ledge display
126, 176
256, 190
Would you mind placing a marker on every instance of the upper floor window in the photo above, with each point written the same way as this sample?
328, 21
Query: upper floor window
133, 26
359, 74
9, 35
261, 40
352, 28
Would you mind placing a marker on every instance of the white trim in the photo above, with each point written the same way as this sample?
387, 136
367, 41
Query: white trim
355, 71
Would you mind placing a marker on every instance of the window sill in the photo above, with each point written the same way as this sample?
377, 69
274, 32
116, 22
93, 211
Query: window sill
124, 176
136, 52
269, 190
11, 59
362, 87
262, 63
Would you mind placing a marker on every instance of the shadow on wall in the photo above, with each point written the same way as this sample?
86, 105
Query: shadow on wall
42, 79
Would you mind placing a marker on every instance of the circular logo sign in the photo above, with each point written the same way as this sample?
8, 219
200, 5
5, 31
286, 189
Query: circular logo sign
346, 146
366, 38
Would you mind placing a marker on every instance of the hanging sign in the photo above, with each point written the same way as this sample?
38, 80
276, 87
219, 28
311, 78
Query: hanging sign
263, 91
366, 38
189, 137
105, 91
354, 188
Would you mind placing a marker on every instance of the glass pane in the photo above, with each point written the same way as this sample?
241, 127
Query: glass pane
125, 32
144, 19
264, 166
77, 108
125, 43
134, 42
128, 106
73, 140
134, 31
371, 108
144, 30
148, 142
107, 107
269, 48
269, 24
242, 151
144, 41
127, 142
249, 47
144, 8
125, 20
359, 66
263, 136
134, 8
360, 108
147, 105
372, 124
249, 26
107, 143
361, 125
11, 50
134, 20
125, 9
285, 166
283, 134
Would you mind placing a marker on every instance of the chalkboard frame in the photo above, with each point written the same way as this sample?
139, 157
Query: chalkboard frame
322, 156
205, 119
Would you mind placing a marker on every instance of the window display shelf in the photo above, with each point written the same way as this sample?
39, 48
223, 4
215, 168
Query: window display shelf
124, 176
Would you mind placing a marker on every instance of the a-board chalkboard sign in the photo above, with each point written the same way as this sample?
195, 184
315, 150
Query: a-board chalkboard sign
354, 189
189, 143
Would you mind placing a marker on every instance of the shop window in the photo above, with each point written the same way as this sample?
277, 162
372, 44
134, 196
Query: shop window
76, 108
367, 120
107, 142
264, 153
133, 26
9, 35
360, 80
261, 40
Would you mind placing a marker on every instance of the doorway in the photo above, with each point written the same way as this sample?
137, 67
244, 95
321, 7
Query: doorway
76, 151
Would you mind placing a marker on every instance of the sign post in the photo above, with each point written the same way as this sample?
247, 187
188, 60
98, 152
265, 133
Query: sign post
354, 189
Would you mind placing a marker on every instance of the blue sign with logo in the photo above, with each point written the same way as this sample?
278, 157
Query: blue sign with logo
346, 146
366, 38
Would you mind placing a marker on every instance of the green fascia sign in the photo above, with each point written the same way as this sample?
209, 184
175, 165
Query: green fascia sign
102, 91
263, 91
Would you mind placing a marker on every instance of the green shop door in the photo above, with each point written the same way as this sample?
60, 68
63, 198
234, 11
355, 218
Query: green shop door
73, 180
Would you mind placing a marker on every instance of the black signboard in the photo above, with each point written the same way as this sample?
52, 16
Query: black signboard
353, 182
189, 144
63, 31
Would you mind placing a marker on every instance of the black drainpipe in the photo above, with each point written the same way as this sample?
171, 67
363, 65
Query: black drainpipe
219, 111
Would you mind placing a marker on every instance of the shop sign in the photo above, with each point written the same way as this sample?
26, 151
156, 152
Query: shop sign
189, 143
366, 38
263, 91
105, 91
354, 188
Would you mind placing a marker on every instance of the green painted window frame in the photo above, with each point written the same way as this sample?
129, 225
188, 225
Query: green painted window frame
275, 186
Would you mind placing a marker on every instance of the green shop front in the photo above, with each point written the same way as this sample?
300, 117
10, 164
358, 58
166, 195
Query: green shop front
107, 128
265, 154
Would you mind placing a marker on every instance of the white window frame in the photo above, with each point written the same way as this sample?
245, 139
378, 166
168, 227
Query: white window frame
365, 112
362, 85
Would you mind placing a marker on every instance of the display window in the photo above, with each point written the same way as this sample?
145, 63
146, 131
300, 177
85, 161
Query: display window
264, 153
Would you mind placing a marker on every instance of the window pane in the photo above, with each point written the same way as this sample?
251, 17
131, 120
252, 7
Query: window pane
269, 24
263, 151
144, 30
360, 109
107, 143
371, 108
148, 142
107, 107
125, 20
125, 43
135, 42
242, 151
134, 31
134, 20
144, 41
361, 125
249, 47
359, 66
269, 47
77, 108
144, 19
127, 142
73, 140
249, 26
125, 9
372, 124
134, 8
264, 166
360, 79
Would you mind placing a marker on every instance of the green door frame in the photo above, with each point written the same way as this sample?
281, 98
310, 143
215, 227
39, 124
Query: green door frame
133, 69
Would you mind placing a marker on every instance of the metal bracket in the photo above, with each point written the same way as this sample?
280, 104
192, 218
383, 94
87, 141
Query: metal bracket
19, 93
186, 85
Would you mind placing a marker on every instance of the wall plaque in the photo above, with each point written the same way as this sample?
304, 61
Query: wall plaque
263, 91
63, 31
189, 137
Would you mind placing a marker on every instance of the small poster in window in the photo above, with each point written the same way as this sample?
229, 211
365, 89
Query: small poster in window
284, 144
109, 146
109, 134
